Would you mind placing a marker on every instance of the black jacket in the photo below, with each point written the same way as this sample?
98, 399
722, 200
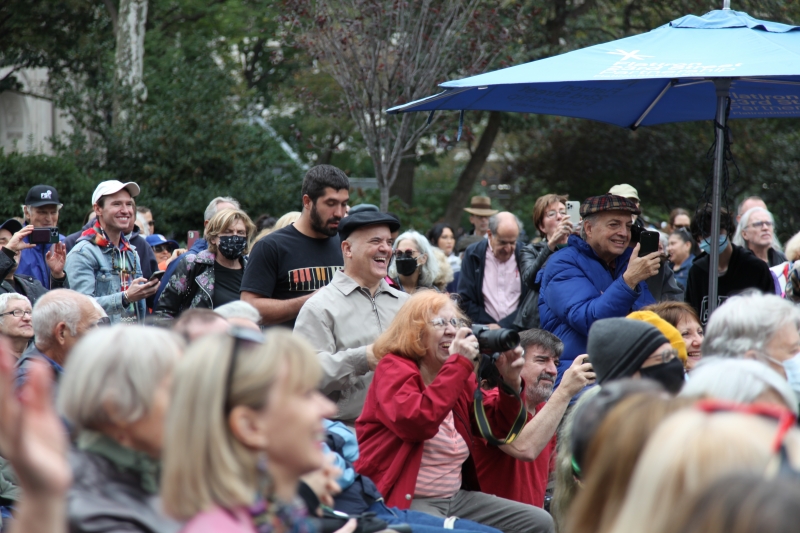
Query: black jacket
745, 271
470, 285
105, 499
532, 259
25, 285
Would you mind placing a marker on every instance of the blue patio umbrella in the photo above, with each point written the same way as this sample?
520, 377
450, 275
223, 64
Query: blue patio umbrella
687, 70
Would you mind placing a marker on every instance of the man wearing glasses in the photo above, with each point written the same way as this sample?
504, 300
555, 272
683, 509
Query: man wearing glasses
344, 318
41, 210
60, 319
490, 286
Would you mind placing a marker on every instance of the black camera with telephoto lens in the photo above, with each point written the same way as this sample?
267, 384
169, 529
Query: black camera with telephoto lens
491, 342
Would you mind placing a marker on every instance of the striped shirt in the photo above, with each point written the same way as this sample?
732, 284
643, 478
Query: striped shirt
442, 456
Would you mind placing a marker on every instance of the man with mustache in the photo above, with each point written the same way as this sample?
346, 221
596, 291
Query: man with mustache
518, 471
287, 266
343, 319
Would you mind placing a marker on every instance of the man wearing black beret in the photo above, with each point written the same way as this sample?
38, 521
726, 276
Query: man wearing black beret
344, 318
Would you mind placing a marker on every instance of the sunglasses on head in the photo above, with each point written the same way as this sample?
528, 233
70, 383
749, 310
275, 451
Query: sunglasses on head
240, 336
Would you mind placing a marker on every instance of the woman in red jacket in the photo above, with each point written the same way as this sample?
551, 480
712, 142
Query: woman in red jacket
416, 430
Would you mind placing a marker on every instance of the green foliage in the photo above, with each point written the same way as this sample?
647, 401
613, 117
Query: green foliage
22, 171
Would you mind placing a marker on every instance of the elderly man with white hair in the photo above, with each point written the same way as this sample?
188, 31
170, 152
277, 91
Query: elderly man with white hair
241, 314
60, 318
15, 321
756, 232
757, 326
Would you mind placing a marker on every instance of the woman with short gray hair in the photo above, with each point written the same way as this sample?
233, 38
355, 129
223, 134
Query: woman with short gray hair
114, 393
414, 265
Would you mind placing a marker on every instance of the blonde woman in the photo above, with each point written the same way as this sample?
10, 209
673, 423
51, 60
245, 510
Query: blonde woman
212, 277
245, 424
694, 447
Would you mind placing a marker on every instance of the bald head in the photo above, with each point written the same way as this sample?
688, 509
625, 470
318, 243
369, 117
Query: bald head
503, 233
60, 318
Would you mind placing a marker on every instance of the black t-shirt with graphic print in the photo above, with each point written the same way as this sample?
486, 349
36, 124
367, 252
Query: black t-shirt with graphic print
287, 264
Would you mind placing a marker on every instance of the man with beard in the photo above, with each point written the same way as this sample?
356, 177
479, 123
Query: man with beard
518, 471
287, 266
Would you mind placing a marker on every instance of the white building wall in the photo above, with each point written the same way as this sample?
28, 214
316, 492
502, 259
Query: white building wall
27, 122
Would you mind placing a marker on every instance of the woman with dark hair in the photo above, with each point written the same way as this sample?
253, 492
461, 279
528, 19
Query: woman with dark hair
684, 318
679, 219
679, 251
550, 218
443, 237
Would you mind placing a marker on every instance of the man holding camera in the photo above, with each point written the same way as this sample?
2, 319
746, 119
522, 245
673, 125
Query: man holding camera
519, 470
103, 264
343, 318
596, 276
40, 211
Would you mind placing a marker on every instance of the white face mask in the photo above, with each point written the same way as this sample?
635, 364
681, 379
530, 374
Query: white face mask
791, 367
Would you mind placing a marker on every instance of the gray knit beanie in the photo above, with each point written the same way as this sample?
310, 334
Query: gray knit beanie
617, 347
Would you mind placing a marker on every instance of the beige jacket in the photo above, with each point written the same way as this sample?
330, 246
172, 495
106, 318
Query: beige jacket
340, 321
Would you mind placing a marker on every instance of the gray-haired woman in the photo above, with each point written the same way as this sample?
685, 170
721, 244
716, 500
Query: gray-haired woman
115, 393
414, 265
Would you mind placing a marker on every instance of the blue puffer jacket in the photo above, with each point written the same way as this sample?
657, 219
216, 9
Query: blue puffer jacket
577, 288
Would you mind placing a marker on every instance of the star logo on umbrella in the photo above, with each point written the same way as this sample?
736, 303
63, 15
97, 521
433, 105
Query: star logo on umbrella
627, 55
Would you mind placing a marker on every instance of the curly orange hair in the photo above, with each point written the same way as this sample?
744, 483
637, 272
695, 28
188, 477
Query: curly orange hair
407, 336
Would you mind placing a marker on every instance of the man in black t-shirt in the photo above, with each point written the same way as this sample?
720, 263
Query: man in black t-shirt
287, 266
738, 268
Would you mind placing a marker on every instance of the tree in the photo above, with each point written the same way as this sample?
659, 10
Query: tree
129, 57
382, 53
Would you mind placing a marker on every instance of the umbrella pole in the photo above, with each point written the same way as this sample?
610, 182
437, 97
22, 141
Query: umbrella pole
723, 86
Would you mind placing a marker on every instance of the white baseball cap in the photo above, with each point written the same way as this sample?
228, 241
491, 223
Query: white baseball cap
112, 187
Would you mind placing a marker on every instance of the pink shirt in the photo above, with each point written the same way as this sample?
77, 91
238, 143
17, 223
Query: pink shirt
218, 520
501, 286
442, 456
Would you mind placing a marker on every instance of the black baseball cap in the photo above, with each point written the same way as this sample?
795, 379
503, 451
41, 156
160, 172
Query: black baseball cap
12, 224
350, 223
42, 195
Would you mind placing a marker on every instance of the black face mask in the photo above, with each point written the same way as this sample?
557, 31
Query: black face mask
232, 246
670, 375
405, 265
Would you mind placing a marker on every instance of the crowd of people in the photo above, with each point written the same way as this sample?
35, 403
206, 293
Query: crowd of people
331, 371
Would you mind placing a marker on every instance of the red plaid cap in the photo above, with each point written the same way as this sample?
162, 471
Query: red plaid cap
607, 202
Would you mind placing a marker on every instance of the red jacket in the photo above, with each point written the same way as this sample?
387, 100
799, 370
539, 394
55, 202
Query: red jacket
401, 413
504, 476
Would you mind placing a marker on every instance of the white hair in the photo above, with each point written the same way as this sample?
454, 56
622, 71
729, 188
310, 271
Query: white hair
6, 298
737, 380
427, 272
60, 305
792, 248
211, 210
747, 322
112, 374
738, 238
144, 228
239, 309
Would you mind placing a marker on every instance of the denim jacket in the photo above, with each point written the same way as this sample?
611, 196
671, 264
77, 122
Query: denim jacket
90, 270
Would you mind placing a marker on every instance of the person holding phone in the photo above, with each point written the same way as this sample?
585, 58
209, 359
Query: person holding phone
596, 276
41, 210
212, 277
554, 225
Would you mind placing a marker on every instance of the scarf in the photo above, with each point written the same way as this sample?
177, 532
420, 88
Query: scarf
278, 517
99, 238
125, 459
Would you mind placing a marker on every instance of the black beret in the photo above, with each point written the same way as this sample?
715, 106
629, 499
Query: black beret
350, 223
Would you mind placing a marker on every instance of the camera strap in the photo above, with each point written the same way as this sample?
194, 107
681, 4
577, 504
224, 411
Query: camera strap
483, 422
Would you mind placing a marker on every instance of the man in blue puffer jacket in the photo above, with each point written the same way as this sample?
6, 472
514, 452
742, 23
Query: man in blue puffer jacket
596, 276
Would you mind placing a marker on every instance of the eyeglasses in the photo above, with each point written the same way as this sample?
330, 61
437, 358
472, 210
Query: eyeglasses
665, 356
677, 227
762, 224
409, 254
780, 464
553, 214
441, 323
161, 248
239, 335
18, 313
